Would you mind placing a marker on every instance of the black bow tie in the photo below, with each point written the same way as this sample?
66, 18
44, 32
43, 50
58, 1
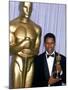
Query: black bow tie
50, 55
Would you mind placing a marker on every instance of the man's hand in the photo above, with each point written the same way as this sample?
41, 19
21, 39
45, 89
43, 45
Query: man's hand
53, 80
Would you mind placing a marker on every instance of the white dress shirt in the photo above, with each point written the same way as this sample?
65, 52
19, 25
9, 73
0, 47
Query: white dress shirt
50, 62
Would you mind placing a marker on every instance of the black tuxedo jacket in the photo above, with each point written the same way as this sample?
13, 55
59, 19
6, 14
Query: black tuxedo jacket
41, 72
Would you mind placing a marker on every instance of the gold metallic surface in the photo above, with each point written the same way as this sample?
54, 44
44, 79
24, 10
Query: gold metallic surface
24, 45
58, 59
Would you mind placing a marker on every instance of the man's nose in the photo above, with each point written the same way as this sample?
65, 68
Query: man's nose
49, 46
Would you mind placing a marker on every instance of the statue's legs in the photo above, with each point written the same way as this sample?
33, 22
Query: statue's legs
21, 72
16, 72
30, 72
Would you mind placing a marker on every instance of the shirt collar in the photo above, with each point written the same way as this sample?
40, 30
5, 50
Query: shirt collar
51, 53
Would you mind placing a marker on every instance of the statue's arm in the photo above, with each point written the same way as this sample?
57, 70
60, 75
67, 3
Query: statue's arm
12, 40
38, 41
14, 46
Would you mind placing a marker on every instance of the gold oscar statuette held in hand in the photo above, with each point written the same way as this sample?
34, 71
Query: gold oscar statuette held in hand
58, 59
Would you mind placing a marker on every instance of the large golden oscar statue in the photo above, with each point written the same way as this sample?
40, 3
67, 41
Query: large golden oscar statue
24, 45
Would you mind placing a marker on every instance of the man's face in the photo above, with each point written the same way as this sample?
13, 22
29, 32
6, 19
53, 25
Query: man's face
49, 45
27, 9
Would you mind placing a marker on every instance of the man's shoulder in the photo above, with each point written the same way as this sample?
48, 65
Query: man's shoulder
40, 56
38, 61
61, 56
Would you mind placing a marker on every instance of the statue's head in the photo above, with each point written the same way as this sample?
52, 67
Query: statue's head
25, 9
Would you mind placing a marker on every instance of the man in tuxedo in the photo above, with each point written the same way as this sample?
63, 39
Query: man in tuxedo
48, 63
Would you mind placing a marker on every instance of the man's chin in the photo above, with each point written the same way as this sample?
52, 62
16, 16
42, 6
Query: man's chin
50, 52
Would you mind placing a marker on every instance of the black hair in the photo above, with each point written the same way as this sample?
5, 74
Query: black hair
49, 35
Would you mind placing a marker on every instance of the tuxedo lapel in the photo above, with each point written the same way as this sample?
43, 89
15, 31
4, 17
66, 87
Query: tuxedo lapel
53, 69
46, 70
